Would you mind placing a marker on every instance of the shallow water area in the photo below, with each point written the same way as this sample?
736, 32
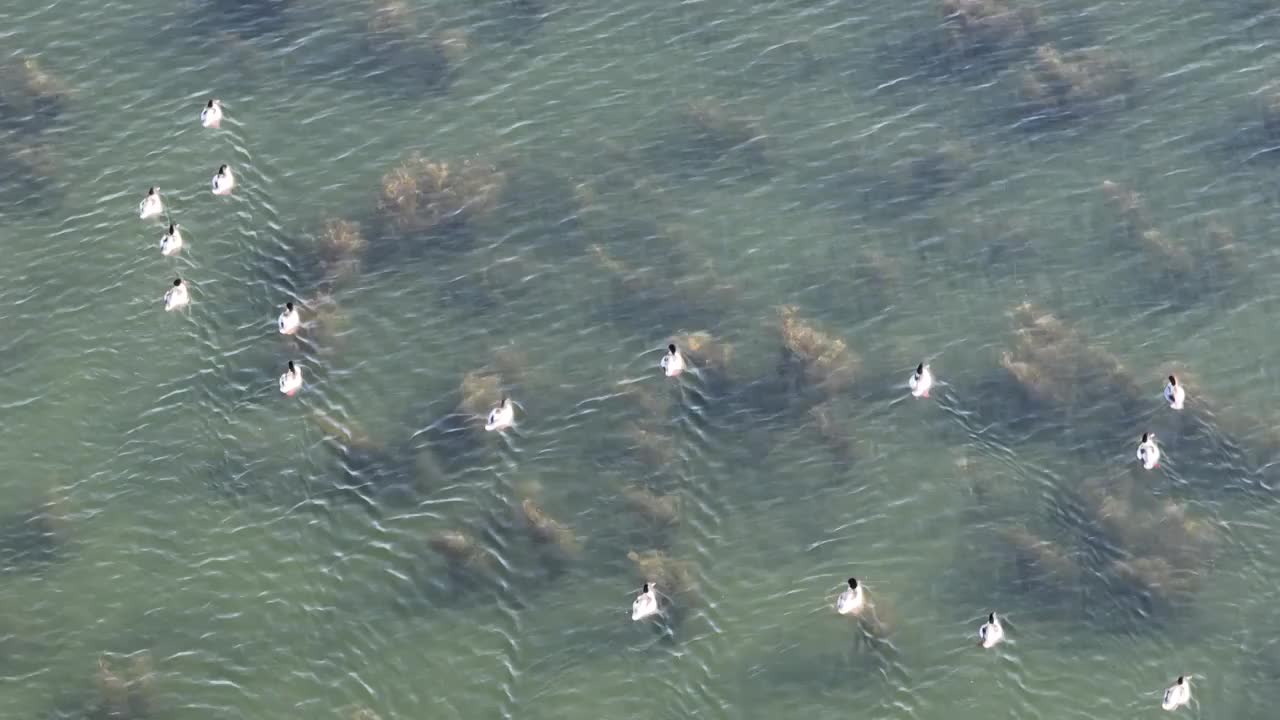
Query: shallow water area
580, 185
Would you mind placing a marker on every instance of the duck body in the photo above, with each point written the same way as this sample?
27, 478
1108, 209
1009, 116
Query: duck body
646, 603
289, 320
176, 297
501, 417
992, 632
291, 380
1174, 394
171, 243
1149, 452
151, 205
1178, 694
672, 363
920, 382
211, 115
852, 600
224, 181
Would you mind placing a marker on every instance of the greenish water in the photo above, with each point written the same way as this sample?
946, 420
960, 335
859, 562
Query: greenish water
162, 500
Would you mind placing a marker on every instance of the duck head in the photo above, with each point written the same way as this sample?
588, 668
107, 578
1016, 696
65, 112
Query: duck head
853, 583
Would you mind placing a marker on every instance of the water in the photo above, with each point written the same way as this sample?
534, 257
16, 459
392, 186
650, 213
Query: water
165, 507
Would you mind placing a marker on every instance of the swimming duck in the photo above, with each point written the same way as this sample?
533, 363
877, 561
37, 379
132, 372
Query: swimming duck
291, 380
177, 296
991, 632
289, 320
1178, 694
211, 115
171, 243
852, 600
920, 382
501, 417
151, 205
224, 181
673, 362
1148, 453
646, 604
1174, 393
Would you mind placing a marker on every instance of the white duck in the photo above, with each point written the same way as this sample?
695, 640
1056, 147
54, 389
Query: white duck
177, 296
1148, 452
171, 243
1178, 694
673, 362
920, 382
1174, 393
151, 205
501, 417
646, 604
991, 632
223, 181
289, 320
852, 600
291, 380
211, 115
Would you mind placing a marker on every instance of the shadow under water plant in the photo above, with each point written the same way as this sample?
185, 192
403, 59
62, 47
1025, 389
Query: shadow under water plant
422, 196
29, 540
27, 170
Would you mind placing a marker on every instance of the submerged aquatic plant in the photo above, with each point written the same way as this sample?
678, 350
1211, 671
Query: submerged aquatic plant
1075, 82
977, 26
461, 551
705, 350
546, 530
341, 246
715, 132
660, 509
128, 695
1188, 269
480, 391
29, 95
1055, 364
1042, 564
674, 577
360, 713
421, 196
823, 359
